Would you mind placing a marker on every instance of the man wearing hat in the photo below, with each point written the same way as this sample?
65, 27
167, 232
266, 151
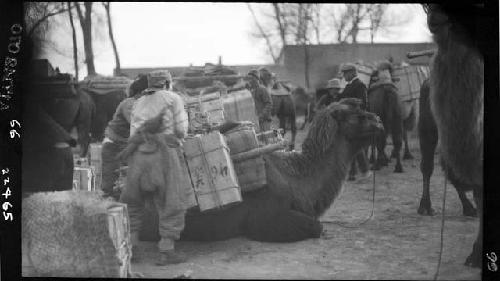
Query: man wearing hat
334, 90
116, 135
169, 201
356, 89
262, 99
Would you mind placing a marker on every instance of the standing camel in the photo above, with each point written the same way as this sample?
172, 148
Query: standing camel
457, 98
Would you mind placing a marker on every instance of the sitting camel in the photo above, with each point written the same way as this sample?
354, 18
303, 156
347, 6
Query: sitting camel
301, 185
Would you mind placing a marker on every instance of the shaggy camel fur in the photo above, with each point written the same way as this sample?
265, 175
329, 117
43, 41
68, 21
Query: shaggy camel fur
301, 185
428, 138
457, 99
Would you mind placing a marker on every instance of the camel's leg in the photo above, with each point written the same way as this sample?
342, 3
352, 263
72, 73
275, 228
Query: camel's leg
381, 156
397, 141
407, 155
428, 142
307, 114
293, 125
282, 123
468, 208
474, 259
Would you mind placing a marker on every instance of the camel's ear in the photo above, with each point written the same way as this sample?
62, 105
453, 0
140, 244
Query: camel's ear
322, 134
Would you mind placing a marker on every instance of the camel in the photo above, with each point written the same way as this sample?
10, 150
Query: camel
457, 98
301, 186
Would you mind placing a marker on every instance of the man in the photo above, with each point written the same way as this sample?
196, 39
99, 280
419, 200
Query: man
262, 99
356, 89
158, 102
334, 89
116, 135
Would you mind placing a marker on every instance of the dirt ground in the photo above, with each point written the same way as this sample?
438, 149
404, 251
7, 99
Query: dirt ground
396, 243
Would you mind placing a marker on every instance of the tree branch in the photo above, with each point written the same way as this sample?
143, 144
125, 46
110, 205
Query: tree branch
44, 18
268, 42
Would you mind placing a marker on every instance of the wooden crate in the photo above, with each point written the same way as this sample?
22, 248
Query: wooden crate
119, 231
211, 170
240, 106
84, 178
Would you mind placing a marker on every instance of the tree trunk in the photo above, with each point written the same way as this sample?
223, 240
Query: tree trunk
86, 24
75, 46
306, 64
112, 38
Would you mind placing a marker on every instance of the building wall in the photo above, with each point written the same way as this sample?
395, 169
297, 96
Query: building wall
324, 60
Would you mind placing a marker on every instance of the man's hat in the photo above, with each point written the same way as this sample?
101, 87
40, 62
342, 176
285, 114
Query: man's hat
254, 73
158, 78
348, 67
333, 83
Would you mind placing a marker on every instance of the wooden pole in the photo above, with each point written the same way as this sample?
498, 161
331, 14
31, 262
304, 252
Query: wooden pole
256, 152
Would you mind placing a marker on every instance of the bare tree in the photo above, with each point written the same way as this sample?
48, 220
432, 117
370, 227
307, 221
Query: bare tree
86, 24
111, 37
263, 34
75, 46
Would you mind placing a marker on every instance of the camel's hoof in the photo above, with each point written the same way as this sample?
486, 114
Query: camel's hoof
426, 211
470, 212
408, 156
398, 169
473, 260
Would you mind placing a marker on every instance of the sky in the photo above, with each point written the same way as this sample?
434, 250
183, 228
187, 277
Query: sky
156, 34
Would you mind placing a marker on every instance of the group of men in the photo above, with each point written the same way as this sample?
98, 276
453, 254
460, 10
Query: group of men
354, 88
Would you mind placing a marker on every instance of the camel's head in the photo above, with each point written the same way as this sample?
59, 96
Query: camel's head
354, 123
342, 120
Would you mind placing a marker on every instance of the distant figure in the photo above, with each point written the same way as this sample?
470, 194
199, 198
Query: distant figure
356, 89
334, 89
262, 99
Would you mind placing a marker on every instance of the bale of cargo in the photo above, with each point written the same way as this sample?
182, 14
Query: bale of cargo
270, 137
75, 234
240, 106
103, 84
211, 170
409, 82
252, 172
59, 86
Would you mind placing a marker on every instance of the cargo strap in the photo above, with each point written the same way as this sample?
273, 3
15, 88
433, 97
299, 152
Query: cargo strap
211, 182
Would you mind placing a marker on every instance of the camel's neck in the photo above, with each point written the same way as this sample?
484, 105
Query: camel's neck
312, 183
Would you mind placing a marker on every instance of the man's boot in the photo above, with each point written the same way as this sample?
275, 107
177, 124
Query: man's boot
170, 257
